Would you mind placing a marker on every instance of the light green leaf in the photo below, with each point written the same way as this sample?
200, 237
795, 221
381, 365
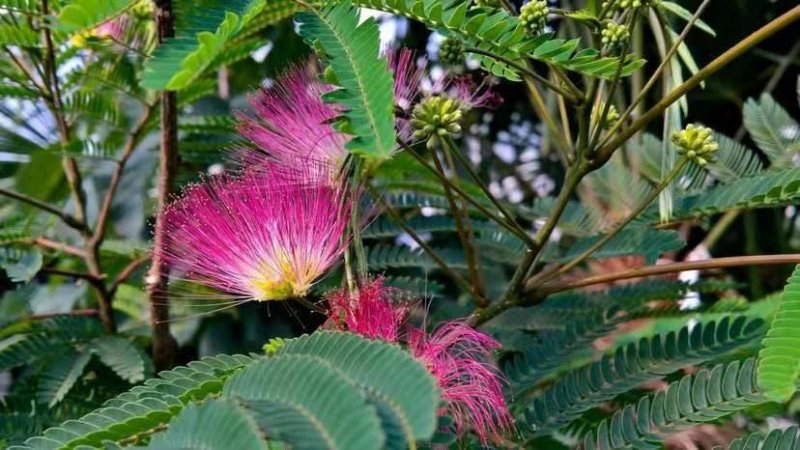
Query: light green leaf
365, 84
684, 14
79, 15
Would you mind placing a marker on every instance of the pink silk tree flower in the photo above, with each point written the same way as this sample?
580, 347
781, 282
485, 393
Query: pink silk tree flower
407, 76
291, 123
371, 312
263, 236
458, 357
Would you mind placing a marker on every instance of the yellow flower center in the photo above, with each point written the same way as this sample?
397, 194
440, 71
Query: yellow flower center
280, 281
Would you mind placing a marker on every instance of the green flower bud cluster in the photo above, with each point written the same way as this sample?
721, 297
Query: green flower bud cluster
451, 51
435, 118
533, 16
627, 4
615, 35
612, 116
697, 143
488, 3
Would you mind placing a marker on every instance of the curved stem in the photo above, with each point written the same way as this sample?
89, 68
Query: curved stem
781, 22
714, 263
660, 69
46, 207
630, 218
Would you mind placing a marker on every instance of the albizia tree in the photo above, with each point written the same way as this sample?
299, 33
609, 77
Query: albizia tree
397, 207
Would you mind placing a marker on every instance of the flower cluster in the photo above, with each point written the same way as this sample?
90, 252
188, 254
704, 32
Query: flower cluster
265, 235
269, 231
697, 143
457, 355
533, 16
627, 4
451, 51
615, 35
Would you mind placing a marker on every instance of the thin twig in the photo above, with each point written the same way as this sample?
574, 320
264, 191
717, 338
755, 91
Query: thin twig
463, 235
46, 243
68, 219
74, 313
510, 226
621, 225
714, 263
781, 22
92, 279
659, 70
164, 345
458, 279
127, 271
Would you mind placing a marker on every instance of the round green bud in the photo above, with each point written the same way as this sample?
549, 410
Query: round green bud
451, 51
697, 143
615, 35
436, 117
533, 16
627, 4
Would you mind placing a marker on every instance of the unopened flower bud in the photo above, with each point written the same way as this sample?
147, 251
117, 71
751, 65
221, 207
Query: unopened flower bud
435, 118
533, 16
697, 143
615, 35
451, 51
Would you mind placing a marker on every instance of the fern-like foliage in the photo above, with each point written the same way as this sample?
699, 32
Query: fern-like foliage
60, 349
704, 397
779, 359
203, 31
326, 390
778, 439
365, 84
772, 129
766, 189
635, 364
494, 30
631, 241
144, 407
382, 257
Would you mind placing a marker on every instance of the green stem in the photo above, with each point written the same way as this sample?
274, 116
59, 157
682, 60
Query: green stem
478, 205
461, 227
630, 218
781, 22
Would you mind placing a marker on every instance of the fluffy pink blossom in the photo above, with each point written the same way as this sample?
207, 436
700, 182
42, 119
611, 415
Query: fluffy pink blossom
407, 76
292, 124
458, 357
370, 313
263, 236
113, 28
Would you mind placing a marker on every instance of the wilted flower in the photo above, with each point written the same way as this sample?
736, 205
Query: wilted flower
458, 357
263, 236
370, 313
292, 124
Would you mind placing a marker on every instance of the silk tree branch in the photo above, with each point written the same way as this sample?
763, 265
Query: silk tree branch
68, 219
617, 228
714, 263
164, 345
